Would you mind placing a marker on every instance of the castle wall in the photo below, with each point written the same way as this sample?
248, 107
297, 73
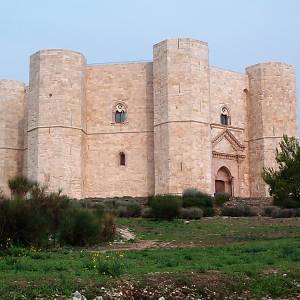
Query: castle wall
182, 143
227, 89
271, 113
12, 105
62, 132
108, 85
56, 120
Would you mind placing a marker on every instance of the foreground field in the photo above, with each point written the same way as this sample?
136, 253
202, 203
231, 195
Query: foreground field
210, 258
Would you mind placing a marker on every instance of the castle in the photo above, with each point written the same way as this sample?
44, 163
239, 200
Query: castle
144, 128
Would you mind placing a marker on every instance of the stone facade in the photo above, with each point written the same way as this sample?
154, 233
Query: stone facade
143, 128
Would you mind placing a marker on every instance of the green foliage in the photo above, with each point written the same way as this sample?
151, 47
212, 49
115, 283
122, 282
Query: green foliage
194, 198
165, 206
284, 182
238, 211
79, 227
191, 213
221, 198
20, 186
109, 264
22, 224
40, 219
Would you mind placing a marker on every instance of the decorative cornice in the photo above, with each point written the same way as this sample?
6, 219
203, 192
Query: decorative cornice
228, 156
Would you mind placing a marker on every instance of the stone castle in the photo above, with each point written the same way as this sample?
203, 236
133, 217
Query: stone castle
144, 128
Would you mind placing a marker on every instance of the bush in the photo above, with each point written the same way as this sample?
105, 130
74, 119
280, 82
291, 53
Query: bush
41, 218
20, 186
165, 206
297, 212
147, 212
267, 212
128, 209
283, 213
239, 211
194, 198
191, 213
208, 211
80, 227
108, 226
221, 198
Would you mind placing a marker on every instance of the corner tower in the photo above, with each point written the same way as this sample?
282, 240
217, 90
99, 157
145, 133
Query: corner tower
271, 114
12, 107
57, 120
182, 135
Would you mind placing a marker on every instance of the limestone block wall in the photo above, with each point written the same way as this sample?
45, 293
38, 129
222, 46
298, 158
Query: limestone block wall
61, 130
182, 144
271, 113
227, 89
57, 120
108, 85
12, 106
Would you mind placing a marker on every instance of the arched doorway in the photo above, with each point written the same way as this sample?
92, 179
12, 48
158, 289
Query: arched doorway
223, 181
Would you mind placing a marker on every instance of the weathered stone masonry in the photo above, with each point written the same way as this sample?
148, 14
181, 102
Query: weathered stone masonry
177, 122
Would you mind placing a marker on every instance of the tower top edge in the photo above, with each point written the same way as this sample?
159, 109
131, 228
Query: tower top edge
181, 39
58, 50
270, 64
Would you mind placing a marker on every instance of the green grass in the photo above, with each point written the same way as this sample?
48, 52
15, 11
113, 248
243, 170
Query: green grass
210, 230
267, 263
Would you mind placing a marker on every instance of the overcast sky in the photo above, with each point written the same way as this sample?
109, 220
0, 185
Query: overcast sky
239, 32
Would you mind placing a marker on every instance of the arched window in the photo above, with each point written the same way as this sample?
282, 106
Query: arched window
120, 113
122, 159
225, 117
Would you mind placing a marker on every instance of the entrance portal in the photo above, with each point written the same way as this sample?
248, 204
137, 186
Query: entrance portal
220, 186
223, 182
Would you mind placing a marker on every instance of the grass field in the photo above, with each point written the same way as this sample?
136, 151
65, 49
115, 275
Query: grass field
231, 257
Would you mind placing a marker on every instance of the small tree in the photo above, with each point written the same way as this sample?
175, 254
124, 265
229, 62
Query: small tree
284, 182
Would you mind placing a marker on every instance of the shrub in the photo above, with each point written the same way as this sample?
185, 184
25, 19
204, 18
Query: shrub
239, 211
191, 213
297, 212
128, 209
109, 264
20, 186
108, 226
22, 224
208, 211
283, 213
80, 227
165, 206
194, 198
267, 212
41, 218
147, 212
221, 198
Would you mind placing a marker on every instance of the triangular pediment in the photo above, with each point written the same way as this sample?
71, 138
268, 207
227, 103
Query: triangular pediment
226, 142
224, 146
